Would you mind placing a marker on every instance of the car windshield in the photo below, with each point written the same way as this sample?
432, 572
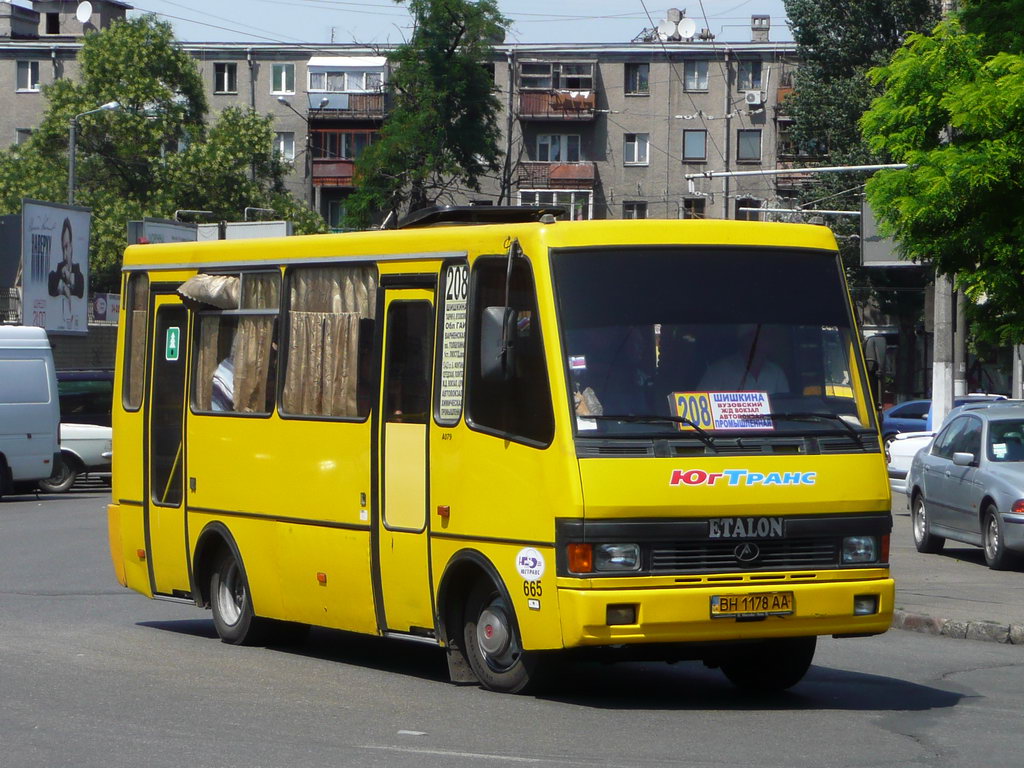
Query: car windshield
1006, 440
712, 340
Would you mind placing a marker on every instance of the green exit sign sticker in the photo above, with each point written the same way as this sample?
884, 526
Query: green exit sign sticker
173, 346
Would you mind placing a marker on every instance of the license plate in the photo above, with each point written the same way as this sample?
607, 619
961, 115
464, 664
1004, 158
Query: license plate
758, 604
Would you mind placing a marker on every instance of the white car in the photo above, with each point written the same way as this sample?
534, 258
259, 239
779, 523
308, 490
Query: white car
900, 452
84, 450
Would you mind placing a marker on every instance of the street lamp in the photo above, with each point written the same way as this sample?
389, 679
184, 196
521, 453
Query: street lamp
110, 106
309, 160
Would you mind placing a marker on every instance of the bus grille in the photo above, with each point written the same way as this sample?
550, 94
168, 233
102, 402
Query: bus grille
776, 554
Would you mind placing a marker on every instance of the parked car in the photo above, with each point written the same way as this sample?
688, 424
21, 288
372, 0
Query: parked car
84, 451
85, 434
916, 415
968, 485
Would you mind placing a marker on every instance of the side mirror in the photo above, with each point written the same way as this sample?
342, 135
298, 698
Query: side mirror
963, 459
497, 343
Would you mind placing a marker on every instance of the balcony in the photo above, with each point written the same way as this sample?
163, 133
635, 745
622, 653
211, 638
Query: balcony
354, 106
333, 173
557, 104
534, 175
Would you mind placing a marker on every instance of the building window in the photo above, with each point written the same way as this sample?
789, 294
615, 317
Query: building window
695, 145
749, 75
695, 75
28, 75
336, 215
21, 135
748, 145
559, 148
283, 77
341, 145
693, 208
747, 202
634, 149
225, 77
634, 210
560, 75
638, 77
346, 82
284, 145
576, 202
53, 23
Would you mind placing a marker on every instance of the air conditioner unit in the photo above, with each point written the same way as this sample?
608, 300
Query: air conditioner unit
754, 99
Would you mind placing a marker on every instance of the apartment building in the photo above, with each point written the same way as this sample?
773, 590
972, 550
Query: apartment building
605, 130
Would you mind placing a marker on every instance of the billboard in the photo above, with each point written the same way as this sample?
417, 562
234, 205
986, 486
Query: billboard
55, 266
160, 231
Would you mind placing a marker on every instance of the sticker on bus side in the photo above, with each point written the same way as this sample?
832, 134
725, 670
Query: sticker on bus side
530, 564
723, 410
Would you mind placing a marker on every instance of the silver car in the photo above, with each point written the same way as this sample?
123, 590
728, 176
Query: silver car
968, 485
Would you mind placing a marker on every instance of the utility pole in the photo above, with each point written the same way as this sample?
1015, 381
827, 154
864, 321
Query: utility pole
942, 350
960, 346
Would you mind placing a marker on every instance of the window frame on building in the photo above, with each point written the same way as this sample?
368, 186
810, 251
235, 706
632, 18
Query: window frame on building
565, 147
579, 200
556, 75
282, 78
692, 158
746, 201
749, 74
31, 79
693, 208
634, 209
637, 78
225, 77
282, 141
743, 144
636, 149
695, 74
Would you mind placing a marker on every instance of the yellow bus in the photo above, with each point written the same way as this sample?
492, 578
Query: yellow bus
507, 435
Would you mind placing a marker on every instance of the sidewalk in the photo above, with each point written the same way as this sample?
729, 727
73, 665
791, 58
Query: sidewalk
953, 593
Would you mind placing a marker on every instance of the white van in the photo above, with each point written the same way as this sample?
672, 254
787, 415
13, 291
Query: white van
29, 408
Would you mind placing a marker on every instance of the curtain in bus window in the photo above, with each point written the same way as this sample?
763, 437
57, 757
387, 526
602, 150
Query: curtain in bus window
252, 351
324, 350
207, 362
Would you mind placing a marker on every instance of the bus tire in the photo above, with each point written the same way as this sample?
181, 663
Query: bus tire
231, 602
770, 665
492, 644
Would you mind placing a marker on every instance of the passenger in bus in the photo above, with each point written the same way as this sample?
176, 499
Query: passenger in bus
222, 396
748, 368
613, 370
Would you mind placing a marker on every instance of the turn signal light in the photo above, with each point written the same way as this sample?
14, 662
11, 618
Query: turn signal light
581, 558
885, 548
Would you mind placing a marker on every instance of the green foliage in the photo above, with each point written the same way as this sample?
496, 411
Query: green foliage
442, 129
953, 107
128, 164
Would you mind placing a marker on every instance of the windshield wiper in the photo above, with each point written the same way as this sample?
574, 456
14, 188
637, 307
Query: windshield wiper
818, 416
705, 438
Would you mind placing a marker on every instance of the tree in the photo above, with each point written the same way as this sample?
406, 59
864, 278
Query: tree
442, 129
153, 156
953, 107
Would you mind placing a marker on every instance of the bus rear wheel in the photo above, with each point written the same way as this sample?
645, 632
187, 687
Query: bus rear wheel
492, 644
231, 603
770, 665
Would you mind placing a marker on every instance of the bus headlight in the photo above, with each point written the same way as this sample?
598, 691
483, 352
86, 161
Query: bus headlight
860, 549
616, 557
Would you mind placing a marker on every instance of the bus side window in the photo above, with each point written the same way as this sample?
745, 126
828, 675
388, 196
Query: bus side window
137, 315
521, 406
327, 365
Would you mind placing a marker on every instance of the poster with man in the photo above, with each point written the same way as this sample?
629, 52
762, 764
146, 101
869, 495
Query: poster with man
55, 258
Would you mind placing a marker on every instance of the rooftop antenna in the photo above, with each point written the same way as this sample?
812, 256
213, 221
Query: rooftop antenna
83, 12
676, 26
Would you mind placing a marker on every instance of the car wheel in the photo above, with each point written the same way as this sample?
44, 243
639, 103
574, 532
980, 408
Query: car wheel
998, 557
492, 644
231, 602
924, 539
770, 665
64, 476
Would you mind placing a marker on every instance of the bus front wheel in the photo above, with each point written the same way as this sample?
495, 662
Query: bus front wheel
492, 644
231, 603
770, 665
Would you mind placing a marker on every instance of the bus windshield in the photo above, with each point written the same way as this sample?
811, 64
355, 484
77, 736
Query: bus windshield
709, 340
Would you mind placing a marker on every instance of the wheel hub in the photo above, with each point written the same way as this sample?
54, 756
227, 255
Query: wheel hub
492, 632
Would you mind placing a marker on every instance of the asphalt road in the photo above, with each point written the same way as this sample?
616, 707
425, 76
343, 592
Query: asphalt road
93, 675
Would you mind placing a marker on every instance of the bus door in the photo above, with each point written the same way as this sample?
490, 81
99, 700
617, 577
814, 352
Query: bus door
404, 570
165, 450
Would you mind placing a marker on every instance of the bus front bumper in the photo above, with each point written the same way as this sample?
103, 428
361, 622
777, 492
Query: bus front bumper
684, 614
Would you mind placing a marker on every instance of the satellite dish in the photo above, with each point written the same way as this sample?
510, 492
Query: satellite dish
84, 12
687, 28
666, 29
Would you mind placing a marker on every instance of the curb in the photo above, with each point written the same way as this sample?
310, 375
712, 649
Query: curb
1011, 634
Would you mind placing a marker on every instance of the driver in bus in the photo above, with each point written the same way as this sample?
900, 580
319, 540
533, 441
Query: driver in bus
748, 368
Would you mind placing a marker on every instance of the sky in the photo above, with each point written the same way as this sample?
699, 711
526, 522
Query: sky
384, 21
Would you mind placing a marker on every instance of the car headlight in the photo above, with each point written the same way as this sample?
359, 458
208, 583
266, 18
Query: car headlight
860, 549
616, 557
